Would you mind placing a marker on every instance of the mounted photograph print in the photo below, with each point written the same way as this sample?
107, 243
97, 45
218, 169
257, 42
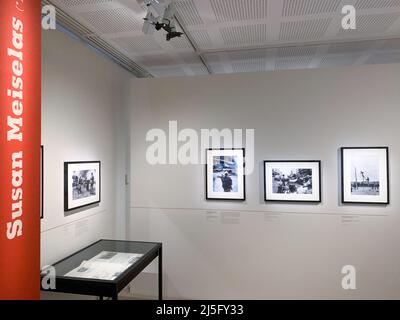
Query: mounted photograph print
225, 174
81, 184
365, 175
292, 181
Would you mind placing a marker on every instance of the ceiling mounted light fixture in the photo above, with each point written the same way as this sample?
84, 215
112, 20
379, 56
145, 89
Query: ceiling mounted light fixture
160, 15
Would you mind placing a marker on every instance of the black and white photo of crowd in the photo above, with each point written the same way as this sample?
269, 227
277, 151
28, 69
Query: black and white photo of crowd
225, 174
83, 184
292, 181
365, 175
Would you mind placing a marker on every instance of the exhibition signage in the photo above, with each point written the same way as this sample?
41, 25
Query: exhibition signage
20, 97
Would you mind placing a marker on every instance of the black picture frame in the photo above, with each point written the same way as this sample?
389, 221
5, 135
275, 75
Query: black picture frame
41, 182
342, 174
67, 207
319, 171
208, 197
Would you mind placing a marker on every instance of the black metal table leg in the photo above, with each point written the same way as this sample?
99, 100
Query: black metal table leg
160, 276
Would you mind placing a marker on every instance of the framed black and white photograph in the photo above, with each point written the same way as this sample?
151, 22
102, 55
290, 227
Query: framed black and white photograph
225, 179
365, 175
82, 184
292, 181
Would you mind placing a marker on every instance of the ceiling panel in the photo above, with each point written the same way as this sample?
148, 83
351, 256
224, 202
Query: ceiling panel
374, 4
248, 55
112, 20
218, 68
292, 63
188, 12
168, 71
391, 44
339, 60
202, 38
158, 60
304, 30
212, 57
349, 47
245, 35
239, 10
198, 70
372, 24
285, 52
249, 66
180, 43
73, 3
137, 44
384, 58
309, 7
189, 58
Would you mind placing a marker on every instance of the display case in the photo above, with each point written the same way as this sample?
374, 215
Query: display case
105, 267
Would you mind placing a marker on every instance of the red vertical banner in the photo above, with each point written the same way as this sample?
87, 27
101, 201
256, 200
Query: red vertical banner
20, 127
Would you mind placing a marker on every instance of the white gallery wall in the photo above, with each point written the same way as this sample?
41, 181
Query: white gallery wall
82, 93
252, 249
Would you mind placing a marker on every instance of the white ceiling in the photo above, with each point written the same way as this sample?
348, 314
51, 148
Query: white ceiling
230, 36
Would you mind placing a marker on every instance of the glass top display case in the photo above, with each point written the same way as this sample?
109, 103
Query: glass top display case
105, 267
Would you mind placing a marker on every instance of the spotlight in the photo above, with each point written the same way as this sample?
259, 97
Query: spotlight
160, 15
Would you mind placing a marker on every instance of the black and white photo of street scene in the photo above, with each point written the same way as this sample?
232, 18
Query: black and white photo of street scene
365, 175
83, 184
225, 177
292, 181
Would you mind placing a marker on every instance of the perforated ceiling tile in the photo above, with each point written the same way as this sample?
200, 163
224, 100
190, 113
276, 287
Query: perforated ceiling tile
158, 60
224, 30
189, 58
137, 44
112, 20
381, 58
304, 30
188, 12
392, 44
373, 4
212, 57
202, 38
373, 23
293, 63
217, 68
239, 10
307, 7
248, 55
249, 66
245, 35
73, 3
199, 69
349, 47
338, 61
168, 72
180, 43
297, 51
